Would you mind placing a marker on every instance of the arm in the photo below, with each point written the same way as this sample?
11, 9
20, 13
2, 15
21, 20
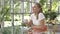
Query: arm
42, 23
42, 20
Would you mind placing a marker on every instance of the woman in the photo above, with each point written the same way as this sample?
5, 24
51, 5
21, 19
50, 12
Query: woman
37, 20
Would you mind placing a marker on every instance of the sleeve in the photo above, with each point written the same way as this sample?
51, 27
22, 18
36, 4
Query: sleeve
41, 16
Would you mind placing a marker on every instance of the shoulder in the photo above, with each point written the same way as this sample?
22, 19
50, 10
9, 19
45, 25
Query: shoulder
41, 14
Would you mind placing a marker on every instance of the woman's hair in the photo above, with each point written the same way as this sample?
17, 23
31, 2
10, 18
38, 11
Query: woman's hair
39, 6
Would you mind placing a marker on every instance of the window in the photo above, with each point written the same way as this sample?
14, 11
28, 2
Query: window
20, 10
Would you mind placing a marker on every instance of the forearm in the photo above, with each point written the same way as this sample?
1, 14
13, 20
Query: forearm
42, 23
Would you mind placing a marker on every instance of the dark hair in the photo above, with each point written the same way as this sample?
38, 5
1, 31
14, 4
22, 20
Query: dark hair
39, 6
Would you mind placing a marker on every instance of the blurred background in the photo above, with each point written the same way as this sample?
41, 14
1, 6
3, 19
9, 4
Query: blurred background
13, 13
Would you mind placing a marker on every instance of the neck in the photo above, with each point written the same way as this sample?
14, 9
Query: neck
36, 13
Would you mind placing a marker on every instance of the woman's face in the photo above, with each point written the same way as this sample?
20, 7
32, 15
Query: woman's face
35, 9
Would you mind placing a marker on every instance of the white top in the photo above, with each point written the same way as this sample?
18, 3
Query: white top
36, 21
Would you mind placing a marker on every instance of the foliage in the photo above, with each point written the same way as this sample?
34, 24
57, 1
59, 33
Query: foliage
54, 5
51, 15
42, 2
44, 5
27, 7
7, 30
4, 12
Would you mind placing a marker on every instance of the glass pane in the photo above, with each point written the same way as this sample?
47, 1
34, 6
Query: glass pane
59, 7
7, 20
7, 30
32, 0
17, 30
17, 19
7, 24
26, 16
17, 6
7, 15
26, 7
17, 23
